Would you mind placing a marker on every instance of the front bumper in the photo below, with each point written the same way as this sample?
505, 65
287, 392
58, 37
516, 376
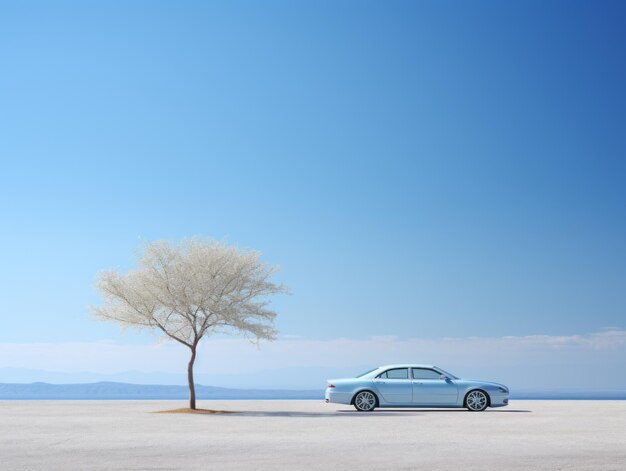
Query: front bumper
498, 399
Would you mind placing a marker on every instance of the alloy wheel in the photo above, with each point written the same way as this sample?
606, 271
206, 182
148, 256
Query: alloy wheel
365, 401
476, 401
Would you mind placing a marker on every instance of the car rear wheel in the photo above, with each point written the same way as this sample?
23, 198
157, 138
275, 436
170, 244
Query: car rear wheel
365, 401
476, 400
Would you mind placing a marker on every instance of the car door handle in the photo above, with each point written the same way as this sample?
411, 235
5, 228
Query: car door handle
417, 382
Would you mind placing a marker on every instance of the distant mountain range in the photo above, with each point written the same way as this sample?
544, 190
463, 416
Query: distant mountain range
113, 390
564, 394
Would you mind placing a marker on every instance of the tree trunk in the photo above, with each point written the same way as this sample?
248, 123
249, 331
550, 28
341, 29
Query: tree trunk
192, 387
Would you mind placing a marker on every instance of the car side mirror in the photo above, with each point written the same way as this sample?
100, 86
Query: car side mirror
444, 377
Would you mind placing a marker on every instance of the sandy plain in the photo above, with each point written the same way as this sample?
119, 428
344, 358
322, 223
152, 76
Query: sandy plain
302, 435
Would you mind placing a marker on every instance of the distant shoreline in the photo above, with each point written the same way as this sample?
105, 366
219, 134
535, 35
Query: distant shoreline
129, 391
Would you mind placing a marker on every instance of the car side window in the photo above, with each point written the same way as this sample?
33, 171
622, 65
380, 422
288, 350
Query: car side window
396, 373
425, 373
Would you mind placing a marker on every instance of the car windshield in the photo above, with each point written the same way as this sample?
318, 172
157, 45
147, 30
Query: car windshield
366, 373
449, 375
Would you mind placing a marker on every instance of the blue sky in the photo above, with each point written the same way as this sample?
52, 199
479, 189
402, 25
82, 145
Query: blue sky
418, 169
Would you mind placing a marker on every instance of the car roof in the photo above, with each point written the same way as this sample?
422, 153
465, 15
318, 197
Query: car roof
406, 365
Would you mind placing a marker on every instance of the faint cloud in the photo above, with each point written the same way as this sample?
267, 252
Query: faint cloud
553, 360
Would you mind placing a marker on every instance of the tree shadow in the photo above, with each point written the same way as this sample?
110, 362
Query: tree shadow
304, 414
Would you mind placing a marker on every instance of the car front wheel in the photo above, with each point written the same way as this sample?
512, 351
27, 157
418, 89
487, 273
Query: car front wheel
365, 401
476, 401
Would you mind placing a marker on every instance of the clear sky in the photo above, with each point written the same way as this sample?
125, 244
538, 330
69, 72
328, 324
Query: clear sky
419, 169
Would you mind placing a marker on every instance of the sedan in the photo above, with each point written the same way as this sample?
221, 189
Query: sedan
415, 386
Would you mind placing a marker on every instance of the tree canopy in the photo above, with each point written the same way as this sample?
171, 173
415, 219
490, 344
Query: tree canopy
190, 290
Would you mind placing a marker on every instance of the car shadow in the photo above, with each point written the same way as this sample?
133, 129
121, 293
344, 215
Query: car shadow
422, 411
355, 413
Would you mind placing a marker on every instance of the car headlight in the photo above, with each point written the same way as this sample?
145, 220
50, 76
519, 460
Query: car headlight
503, 390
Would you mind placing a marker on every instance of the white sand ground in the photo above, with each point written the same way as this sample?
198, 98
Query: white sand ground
294, 435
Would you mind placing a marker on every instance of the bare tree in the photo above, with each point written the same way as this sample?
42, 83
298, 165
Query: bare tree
191, 290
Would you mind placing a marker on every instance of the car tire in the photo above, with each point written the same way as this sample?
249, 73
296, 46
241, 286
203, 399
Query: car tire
476, 400
365, 401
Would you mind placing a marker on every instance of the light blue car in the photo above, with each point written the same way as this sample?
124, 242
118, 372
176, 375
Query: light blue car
415, 386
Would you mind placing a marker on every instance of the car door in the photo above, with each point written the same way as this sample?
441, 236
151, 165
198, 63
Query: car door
395, 386
430, 390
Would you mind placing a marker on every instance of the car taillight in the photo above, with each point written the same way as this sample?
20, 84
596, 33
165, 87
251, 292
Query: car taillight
331, 385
